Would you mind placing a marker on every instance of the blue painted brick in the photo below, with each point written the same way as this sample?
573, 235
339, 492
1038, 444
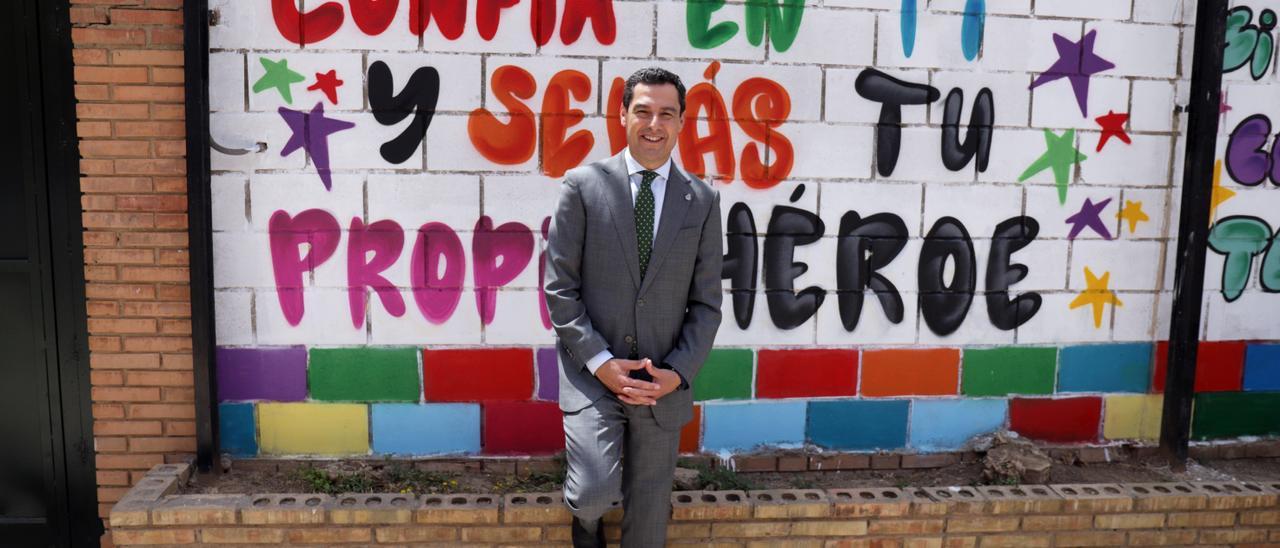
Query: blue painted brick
1105, 368
945, 425
744, 426
859, 424
237, 430
1262, 367
425, 429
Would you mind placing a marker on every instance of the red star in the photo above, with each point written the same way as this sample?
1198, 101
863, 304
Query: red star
1112, 125
329, 82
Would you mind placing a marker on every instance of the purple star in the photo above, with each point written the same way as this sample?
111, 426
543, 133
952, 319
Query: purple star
1076, 62
311, 131
1090, 216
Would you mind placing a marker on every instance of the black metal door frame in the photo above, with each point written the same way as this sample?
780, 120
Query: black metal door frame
54, 167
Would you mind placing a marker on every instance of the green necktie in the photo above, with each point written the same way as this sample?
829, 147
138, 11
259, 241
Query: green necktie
644, 219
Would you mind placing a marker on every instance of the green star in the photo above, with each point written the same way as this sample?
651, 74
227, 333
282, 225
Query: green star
1060, 154
278, 76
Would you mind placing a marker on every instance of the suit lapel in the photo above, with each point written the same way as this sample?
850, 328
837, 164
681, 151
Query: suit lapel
674, 208
618, 189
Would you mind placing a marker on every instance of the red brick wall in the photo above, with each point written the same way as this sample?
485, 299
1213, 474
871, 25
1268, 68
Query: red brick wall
129, 84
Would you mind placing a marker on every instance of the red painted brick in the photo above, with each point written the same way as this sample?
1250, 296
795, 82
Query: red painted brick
477, 375
806, 373
1056, 420
533, 428
691, 434
1219, 366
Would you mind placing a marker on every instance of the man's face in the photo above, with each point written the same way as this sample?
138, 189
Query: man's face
653, 122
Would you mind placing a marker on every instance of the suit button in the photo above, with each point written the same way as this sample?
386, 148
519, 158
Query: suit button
640, 302
629, 339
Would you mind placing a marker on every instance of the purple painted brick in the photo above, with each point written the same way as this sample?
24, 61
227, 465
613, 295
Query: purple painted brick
275, 374
548, 375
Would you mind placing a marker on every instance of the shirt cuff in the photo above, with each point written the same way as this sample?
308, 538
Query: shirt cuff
684, 384
598, 360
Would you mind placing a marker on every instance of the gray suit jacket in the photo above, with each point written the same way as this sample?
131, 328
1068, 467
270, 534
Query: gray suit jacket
597, 299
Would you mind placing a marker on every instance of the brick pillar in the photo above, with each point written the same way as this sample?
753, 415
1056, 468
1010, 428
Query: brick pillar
129, 86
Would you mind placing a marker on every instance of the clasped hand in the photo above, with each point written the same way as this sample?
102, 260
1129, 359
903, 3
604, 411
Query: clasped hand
614, 375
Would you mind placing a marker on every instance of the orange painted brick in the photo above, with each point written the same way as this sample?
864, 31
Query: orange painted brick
115, 478
933, 371
120, 291
1161, 538
146, 17
982, 524
1129, 521
1089, 538
1056, 523
125, 393
242, 535
330, 536
153, 536
111, 75
1202, 519
175, 327
171, 148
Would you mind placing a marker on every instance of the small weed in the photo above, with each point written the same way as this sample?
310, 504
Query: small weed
532, 483
396, 478
722, 479
803, 483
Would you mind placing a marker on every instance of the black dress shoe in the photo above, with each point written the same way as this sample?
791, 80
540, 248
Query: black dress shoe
584, 539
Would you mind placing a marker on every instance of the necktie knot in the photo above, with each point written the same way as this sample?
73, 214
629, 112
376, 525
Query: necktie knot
647, 177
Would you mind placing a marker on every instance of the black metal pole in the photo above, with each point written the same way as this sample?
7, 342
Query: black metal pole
200, 229
1193, 226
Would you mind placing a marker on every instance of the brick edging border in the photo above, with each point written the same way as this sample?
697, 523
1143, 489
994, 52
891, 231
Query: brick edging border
1227, 513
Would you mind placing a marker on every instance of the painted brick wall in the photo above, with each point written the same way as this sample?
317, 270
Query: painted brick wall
129, 83
381, 194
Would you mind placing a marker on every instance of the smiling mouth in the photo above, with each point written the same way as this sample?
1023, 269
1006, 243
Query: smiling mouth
651, 139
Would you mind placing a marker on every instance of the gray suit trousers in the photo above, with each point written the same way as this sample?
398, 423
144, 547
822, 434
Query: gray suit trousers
599, 438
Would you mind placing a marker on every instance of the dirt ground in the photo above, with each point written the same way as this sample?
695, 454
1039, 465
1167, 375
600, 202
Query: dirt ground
365, 476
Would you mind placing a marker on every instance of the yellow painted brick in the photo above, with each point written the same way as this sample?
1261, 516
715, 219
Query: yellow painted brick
1016, 541
982, 525
1262, 517
501, 534
1202, 519
376, 516
906, 526
193, 516
1057, 523
329, 535
153, 536
722, 530
1132, 417
687, 530
1232, 536
1161, 538
1089, 538
1129, 521
241, 535
829, 528
415, 534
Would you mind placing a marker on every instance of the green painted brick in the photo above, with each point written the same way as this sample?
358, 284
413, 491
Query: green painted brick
1234, 414
1010, 370
726, 375
364, 374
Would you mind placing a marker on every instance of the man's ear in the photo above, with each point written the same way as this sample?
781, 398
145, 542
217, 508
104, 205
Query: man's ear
622, 115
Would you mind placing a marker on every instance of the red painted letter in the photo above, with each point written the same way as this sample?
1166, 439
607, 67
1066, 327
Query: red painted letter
314, 26
314, 227
373, 16
499, 255
488, 14
719, 140
437, 293
759, 105
576, 13
450, 15
385, 239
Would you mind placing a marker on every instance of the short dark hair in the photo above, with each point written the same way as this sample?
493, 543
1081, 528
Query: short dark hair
651, 76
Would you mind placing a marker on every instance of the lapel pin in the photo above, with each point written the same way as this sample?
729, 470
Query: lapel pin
688, 197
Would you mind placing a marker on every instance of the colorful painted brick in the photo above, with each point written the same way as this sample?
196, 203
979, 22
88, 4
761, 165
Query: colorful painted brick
907, 372
691, 434
1105, 368
1132, 416
425, 429
1232, 414
806, 373
946, 425
726, 375
522, 428
333, 429
548, 374
477, 374
745, 426
1060, 420
1262, 367
1219, 366
273, 374
237, 430
858, 425
364, 374
1009, 370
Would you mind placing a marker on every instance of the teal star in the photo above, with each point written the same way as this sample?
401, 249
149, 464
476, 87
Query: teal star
278, 76
1060, 154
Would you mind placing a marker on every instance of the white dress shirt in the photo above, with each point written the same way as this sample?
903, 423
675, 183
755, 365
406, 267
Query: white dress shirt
659, 188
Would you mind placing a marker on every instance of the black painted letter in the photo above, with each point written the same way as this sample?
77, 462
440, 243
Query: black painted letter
1011, 235
892, 93
418, 98
863, 247
944, 306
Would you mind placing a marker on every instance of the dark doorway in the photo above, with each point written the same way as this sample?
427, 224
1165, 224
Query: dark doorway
47, 484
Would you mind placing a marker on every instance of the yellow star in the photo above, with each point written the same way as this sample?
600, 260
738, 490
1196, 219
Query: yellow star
1220, 193
1133, 213
1096, 295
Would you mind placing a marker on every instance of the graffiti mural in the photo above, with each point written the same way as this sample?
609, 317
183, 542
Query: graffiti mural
959, 209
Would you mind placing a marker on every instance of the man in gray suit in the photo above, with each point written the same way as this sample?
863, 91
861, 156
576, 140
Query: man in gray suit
633, 287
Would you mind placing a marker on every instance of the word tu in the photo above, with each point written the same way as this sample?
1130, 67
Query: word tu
437, 268
864, 246
893, 93
782, 17
759, 106
373, 17
1247, 43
